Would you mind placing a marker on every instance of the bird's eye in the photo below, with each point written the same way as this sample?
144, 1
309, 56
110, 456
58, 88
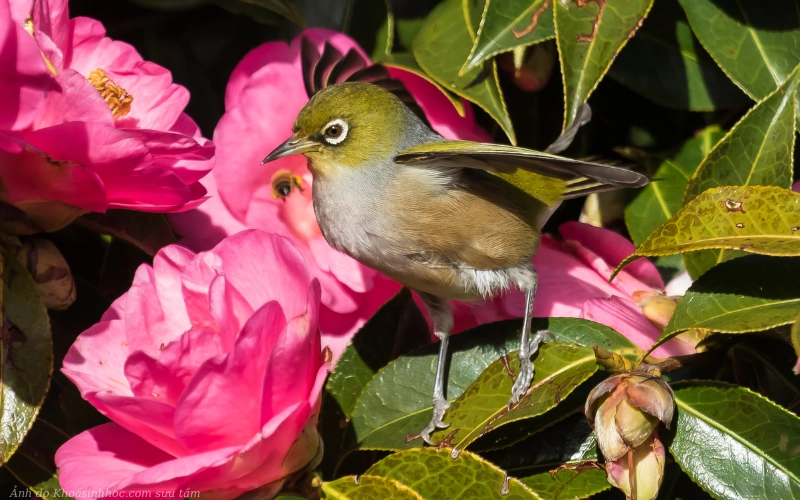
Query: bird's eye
283, 182
335, 132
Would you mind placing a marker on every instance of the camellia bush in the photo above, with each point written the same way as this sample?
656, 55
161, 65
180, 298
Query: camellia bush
175, 325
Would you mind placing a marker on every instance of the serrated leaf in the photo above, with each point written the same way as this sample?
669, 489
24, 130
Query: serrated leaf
440, 48
367, 487
26, 358
570, 441
756, 151
559, 368
757, 44
148, 231
659, 200
569, 483
755, 219
589, 35
396, 404
665, 63
750, 294
507, 24
735, 443
436, 476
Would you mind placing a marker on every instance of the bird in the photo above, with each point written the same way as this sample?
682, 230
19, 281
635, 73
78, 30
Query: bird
448, 219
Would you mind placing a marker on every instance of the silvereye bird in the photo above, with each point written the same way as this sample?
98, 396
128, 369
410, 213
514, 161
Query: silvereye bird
448, 219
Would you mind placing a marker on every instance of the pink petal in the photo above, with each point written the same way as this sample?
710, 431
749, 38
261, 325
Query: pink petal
229, 385
76, 101
202, 228
613, 249
230, 310
52, 30
102, 457
95, 361
625, 317
168, 266
30, 174
261, 56
24, 78
250, 255
346, 269
146, 326
184, 355
172, 149
244, 138
292, 369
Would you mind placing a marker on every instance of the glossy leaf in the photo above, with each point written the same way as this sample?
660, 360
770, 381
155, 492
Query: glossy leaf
367, 487
735, 443
396, 328
666, 63
757, 44
750, 294
659, 200
757, 151
742, 218
581, 481
569, 442
150, 232
27, 355
440, 48
590, 34
560, 367
396, 404
507, 24
435, 475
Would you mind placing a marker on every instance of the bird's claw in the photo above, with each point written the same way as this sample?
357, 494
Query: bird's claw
525, 377
440, 405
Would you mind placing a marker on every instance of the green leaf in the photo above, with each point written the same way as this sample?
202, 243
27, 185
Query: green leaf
733, 217
442, 45
435, 475
26, 359
569, 442
757, 44
507, 24
756, 151
568, 483
396, 404
560, 367
766, 371
33, 464
148, 231
665, 63
750, 294
735, 443
660, 199
396, 328
590, 34
367, 487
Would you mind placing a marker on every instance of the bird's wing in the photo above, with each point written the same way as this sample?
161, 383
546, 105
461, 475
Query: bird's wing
511, 163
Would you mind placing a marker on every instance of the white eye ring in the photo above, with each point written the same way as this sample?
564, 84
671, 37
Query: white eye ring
335, 139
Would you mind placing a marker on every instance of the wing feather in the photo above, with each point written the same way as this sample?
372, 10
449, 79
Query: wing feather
502, 159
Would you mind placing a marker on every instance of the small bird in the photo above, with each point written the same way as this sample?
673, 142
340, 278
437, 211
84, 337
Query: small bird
451, 220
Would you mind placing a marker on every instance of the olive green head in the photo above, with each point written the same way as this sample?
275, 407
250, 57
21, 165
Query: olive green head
349, 125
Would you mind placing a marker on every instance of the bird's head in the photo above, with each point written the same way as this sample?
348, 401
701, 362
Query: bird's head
349, 126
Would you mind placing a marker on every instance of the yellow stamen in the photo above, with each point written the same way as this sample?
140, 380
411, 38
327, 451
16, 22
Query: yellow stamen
117, 98
28, 25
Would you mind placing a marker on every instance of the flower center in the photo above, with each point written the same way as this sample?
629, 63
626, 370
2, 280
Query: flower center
117, 98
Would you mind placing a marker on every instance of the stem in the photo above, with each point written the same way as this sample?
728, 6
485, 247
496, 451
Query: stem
631, 474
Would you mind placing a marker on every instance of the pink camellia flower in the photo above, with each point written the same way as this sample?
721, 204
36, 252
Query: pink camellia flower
265, 93
111, 135
210, 369
573, 283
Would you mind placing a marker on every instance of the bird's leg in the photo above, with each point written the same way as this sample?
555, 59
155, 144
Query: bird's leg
442, 318
527, 347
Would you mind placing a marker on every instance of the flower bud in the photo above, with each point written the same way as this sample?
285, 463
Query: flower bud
648, 470
625, 410
530, 67
49, 270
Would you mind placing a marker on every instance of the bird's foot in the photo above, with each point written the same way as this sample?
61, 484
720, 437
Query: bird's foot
440, 405
525, 377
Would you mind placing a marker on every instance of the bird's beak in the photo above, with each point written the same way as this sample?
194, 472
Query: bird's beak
294, 145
